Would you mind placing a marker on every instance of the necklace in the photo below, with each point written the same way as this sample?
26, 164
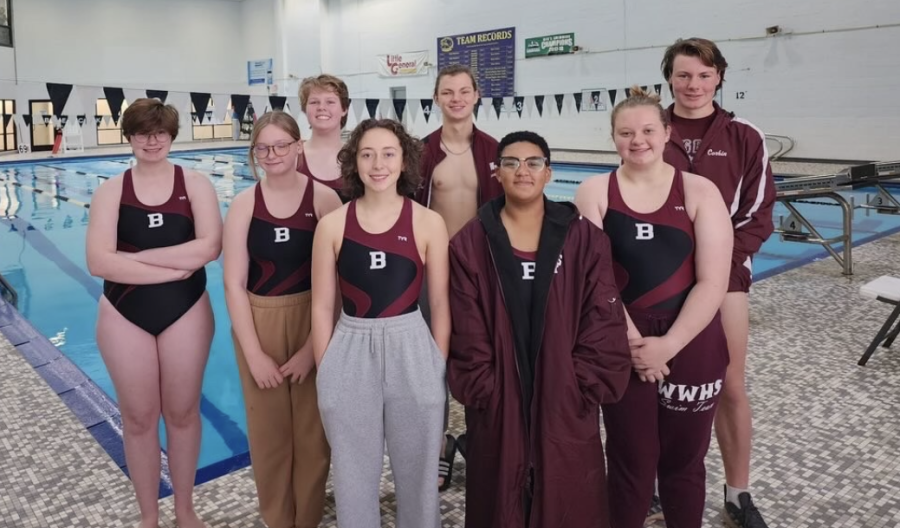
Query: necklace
446, 148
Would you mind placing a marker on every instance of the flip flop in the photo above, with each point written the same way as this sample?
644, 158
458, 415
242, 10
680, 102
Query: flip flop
445, 465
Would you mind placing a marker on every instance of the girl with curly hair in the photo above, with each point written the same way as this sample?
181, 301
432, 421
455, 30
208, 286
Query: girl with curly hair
380, 369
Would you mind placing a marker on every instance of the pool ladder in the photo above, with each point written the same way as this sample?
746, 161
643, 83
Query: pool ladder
9, 293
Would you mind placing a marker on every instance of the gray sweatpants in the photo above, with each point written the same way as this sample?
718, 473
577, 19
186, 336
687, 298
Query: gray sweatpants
383, 380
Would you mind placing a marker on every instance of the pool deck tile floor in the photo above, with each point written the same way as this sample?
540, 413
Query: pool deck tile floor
825, 446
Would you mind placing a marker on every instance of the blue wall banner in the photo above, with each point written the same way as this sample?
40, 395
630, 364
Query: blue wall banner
259, 72
490, 54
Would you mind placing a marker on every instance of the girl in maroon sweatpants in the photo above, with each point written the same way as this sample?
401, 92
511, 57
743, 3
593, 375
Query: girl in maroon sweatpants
671, 244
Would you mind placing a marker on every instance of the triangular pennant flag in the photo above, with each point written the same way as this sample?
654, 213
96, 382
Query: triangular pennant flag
358, 106
209, 115
98, 119
577, 96
220, 108
115, 97
644, 87
627, 93
81, 119
497, 103
539, 103
107, 119
133, 94
658, 88
476, 107
427, 105
239, 103
293, 102
372, 107
195, 117
201, 102
59, 95
277, 102
399, 107
612, 97
6, 119
595, 100
260, 105
519, 104
47, 118
63, 119
158, 94
559, 102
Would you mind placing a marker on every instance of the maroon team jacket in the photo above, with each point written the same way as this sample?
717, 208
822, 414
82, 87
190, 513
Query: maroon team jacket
536, 429
484, 150
734, 156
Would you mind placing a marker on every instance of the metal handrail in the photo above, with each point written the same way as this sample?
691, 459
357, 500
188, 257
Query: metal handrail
785, 145
13, 294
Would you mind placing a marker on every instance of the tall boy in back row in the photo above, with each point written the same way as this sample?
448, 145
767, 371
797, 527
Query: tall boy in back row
730, 151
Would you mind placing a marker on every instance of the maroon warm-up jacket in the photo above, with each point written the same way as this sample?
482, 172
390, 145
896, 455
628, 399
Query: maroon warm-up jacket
535, 429
734, 156
484, 150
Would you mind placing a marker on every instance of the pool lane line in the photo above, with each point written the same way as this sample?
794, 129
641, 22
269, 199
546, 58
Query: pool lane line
85, 191
60, 197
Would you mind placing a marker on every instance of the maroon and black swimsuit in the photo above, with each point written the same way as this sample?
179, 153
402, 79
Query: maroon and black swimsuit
154, 307
380, 274
280, 249
653, 253
336, 184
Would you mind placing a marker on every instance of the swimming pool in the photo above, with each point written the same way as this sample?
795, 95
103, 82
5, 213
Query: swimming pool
42, 229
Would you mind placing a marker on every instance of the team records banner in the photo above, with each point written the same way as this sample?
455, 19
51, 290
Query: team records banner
402, 64
490, 54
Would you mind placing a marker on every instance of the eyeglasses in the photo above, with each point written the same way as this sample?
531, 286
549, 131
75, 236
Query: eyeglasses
160, 136
280, 149
534, 164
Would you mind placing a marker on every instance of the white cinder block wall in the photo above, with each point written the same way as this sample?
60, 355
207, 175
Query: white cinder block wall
831, 80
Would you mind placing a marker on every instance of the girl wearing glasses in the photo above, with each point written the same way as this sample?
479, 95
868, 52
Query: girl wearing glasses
381, 372
671, 241
152, 230
268, 246
539, 341
325, 100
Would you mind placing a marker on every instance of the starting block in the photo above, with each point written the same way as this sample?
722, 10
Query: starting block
885, 289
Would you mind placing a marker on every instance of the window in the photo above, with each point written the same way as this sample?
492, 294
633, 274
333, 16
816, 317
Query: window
5, 24
214, 131
7, 132
109, 133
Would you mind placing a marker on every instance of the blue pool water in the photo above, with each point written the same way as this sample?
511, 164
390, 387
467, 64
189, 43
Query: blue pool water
42, 256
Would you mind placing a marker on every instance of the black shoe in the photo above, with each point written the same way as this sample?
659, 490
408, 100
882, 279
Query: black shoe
747, 516
461, 445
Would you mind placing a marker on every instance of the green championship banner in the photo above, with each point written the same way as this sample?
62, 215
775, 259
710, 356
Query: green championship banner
549, 45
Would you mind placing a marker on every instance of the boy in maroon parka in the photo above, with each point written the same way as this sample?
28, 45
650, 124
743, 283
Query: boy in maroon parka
538, 343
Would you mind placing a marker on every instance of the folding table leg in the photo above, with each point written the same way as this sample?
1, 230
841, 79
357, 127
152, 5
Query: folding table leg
880, 336
890, 338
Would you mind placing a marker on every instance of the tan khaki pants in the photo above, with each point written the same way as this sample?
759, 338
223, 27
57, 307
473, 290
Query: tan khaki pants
288, 450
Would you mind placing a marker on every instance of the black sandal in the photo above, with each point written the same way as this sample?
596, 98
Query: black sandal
445, 465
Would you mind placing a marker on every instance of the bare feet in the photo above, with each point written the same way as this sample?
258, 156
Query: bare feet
188, 520
148, 523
